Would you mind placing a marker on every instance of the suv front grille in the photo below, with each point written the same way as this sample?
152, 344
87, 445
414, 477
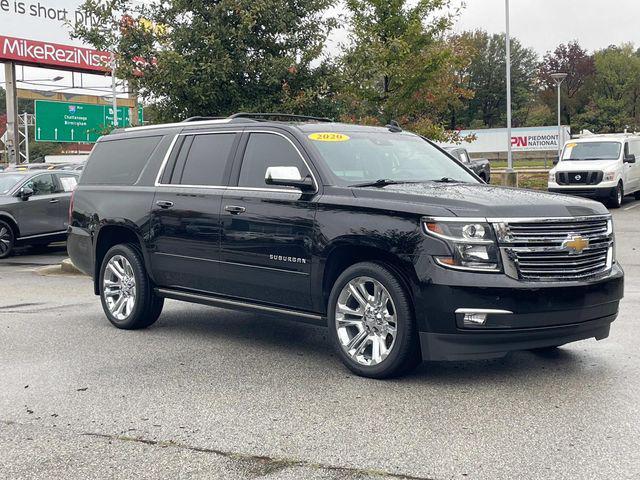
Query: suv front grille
556, 249
579, 178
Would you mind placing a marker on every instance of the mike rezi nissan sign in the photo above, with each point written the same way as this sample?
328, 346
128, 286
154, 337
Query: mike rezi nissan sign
36, 32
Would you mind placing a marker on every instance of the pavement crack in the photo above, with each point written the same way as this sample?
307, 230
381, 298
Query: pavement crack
266, 464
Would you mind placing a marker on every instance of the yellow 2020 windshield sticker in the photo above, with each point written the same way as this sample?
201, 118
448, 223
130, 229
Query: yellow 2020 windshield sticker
329, 137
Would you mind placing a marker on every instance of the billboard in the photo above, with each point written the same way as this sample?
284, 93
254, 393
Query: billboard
494, 140
36, 32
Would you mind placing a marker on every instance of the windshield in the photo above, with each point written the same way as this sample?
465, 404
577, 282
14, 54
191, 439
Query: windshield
592, 151
360, 157
8, 181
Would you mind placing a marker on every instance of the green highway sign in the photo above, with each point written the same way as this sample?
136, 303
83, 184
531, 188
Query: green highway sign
75, 122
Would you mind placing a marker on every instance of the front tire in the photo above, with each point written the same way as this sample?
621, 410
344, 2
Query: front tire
126, 291
618, 195
371, 323
7, 239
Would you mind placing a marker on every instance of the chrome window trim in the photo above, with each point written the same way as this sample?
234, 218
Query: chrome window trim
225, 187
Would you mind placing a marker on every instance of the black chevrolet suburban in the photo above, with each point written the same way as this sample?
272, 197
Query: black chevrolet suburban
401, 250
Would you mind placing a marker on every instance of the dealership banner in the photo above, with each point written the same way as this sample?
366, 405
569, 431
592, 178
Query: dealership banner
37, 32
37, 53
494, 140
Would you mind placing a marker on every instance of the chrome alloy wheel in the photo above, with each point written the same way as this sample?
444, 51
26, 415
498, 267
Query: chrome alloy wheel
119, 287
6, 239
366, 321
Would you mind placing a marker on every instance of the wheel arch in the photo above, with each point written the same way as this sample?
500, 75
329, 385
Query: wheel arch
7, 217
344, 254
108, 236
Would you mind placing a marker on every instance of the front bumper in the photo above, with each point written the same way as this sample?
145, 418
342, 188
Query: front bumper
543, 313
587, 191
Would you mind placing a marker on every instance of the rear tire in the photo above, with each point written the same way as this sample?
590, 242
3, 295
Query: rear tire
637, 195
373, 329
618, 195
7, 239
126, 292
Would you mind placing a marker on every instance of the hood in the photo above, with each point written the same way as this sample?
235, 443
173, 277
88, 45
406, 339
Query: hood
480, 200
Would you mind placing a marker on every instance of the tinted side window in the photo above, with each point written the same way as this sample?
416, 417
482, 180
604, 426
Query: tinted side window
267, 150
118, 162
207, 159
42, 185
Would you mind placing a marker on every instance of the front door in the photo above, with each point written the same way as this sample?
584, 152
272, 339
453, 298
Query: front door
41, 214
267, 232
185, 215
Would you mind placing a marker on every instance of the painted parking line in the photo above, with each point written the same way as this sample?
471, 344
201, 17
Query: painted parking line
632, 206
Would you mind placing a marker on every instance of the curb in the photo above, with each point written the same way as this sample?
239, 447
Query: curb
67, 266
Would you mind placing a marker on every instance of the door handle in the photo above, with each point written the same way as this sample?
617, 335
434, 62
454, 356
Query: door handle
54, 200
235, 210
164, 204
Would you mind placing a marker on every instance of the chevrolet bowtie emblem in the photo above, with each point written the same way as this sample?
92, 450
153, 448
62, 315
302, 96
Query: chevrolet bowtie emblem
575, 244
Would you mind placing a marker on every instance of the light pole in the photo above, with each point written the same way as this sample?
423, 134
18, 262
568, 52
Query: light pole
510, 171
559, 78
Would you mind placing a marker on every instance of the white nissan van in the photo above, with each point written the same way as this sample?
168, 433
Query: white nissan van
601, 167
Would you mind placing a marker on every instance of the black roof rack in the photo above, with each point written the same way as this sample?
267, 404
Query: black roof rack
264, 116
200, 119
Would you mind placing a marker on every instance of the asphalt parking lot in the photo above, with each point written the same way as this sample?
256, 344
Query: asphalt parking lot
207, 393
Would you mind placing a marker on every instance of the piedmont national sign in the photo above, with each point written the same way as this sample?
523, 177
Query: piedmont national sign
43, 54
494, 140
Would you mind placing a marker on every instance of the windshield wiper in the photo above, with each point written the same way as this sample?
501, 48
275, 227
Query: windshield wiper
382, 182
447, 180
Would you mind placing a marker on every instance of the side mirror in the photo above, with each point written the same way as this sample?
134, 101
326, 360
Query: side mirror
288, 177
556, 160
25, 193
630, 158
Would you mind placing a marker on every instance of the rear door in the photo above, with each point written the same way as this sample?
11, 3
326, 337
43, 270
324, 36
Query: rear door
40, 214
267, 231
185, 216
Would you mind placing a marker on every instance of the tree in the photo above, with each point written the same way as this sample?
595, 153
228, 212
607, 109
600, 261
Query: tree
397, 65
203, 57
615, 98
485, 76
580, 68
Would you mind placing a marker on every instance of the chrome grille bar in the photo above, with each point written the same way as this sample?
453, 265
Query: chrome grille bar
536, 249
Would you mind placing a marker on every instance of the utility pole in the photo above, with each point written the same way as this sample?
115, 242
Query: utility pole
510, 175
113, 90
13, 132
559, 78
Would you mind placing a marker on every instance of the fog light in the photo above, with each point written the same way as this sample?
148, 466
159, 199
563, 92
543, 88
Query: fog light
474, 319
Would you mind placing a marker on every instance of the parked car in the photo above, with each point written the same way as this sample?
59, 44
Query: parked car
602, 167
34, 207
374, 232
479, 166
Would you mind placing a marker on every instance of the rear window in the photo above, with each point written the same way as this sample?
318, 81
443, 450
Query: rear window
118, 162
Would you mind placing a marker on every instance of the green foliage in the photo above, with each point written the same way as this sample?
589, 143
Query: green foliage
396, 64
615, 97
485, 76
201, 57
580, 68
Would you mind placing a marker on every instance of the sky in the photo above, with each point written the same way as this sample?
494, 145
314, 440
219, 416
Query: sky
539, 24
544, 24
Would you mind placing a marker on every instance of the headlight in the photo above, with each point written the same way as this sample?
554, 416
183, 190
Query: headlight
552, 177
472, 243
609, 176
